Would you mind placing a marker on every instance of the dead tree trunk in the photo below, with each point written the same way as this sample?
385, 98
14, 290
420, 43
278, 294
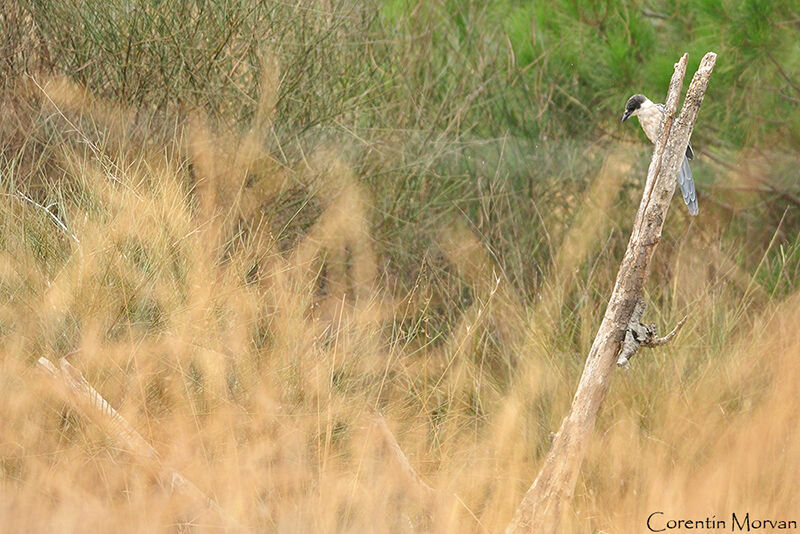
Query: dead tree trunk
543, 505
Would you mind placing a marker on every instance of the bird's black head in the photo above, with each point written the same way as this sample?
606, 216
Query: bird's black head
634, 103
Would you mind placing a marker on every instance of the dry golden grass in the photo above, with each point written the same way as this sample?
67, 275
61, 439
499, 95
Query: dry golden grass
251, 345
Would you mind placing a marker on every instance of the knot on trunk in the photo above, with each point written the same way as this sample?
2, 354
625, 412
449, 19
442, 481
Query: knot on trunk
642, 335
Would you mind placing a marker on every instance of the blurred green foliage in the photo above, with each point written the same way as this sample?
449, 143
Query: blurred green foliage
569, 66
522, 68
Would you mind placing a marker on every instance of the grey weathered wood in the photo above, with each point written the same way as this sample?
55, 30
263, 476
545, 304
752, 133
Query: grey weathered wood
639, 335
544, 503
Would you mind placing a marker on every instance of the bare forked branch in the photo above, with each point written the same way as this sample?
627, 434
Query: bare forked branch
544, 503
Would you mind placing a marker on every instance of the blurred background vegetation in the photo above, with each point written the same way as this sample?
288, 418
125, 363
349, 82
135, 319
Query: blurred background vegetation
432, 99
524, 69
476, 197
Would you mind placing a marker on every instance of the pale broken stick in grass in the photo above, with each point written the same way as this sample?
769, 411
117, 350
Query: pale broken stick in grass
426, 493
77, 390
420, 486
52, 215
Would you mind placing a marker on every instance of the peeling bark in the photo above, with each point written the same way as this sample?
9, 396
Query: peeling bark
642, 335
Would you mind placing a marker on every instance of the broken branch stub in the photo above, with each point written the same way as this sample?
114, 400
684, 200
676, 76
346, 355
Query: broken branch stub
642, 335
542, 506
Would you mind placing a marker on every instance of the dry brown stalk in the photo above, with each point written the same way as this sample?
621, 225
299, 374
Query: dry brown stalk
543, 505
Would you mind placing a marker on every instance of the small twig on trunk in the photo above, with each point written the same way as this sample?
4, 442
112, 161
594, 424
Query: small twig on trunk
642, 335
666, 339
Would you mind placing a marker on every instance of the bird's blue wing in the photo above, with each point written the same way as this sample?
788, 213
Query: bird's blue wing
686, 181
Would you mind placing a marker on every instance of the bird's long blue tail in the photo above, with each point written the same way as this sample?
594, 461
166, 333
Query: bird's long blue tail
687, 187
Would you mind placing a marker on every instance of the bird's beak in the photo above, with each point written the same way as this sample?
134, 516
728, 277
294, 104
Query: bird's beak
625, 116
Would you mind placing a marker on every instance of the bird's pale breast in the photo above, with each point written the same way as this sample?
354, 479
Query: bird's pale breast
650, 118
